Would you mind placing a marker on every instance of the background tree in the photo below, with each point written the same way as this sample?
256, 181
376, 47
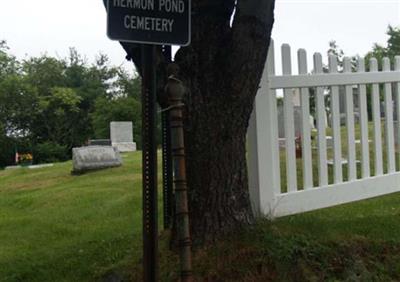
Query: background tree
47, 104
124, 108
391, 49
8, 71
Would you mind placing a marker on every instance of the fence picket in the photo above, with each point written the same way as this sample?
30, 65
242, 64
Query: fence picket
351, 146
296, 81
376, 116
389, 130
264, 163
362, 101
264, 154
291, 171
335, 116
305, 124
397, 95
321, 123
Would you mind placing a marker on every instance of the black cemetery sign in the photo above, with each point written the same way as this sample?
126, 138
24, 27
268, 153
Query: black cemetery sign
162, 22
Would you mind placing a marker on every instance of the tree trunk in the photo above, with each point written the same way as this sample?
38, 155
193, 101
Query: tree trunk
222, 69
217, 174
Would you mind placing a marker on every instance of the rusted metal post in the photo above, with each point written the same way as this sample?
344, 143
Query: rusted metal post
167, 170
167, 156
149, 161
175, 91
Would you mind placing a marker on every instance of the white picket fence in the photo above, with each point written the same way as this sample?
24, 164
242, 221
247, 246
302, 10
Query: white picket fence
373, 175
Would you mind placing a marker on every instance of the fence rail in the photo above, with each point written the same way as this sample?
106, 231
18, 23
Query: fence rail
306, 168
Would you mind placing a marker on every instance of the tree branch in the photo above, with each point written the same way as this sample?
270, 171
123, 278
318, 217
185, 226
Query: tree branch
261, 10
251, 30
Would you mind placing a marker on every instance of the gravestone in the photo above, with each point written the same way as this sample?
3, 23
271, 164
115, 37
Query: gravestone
40, 166
122, 136
342, 104
13, 167
382, 109
94, 158
396, 135
297, 121
312, 122
100, 142
296, 97
329, 141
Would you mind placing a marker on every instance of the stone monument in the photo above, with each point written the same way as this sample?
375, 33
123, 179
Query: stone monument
122, 136
94, 158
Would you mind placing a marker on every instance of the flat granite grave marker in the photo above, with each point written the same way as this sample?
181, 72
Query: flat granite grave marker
94, 158
99, 142
122, 136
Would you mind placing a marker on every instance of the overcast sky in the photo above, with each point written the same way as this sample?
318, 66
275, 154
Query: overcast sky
34, 27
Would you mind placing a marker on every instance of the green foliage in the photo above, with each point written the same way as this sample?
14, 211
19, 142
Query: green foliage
44, 73
58, 114
8, 63
17, 102
335, 50
49, 152
6, 149
47, 100
393, 43
131, 87
9, 146
391, 49
120, 109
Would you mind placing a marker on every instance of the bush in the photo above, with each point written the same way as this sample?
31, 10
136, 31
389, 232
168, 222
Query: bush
121, 109
50, 152
7, 151
8, 145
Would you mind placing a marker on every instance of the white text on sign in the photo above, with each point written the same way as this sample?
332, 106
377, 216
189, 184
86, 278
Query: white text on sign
169, 6
147, 23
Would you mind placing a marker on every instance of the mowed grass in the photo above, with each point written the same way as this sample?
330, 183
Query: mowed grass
353, 242
59, 227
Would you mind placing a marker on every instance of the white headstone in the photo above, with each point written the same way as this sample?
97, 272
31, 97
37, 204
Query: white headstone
122, 136
296, 97
281, 121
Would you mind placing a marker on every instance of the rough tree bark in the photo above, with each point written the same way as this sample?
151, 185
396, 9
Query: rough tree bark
222, 69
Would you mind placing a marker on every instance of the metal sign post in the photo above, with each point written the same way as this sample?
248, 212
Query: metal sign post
159, 22
149, 157
167, 156
167, 170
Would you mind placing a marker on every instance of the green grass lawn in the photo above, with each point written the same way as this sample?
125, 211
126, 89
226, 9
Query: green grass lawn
59, 227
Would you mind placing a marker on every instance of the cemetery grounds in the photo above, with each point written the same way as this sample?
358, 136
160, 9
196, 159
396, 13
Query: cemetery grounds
59, 227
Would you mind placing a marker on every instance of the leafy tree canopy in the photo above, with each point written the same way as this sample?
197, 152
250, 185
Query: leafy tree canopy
391, 49
53, 104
